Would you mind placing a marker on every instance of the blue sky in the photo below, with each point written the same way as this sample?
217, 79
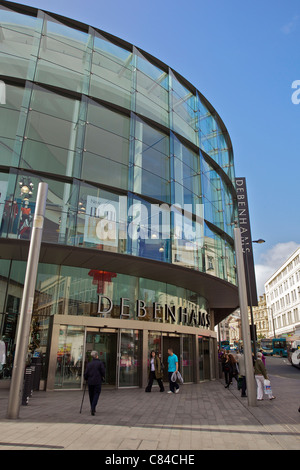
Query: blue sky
243, 56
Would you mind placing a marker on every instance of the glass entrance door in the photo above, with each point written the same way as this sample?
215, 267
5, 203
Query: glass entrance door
105, 343
170, 341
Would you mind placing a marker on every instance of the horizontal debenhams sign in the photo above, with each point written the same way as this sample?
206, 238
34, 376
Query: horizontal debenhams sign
194, 316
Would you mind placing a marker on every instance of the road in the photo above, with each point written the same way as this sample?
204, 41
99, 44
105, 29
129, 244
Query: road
281, 367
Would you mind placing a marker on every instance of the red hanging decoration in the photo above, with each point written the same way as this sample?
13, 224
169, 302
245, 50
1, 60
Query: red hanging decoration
99, 277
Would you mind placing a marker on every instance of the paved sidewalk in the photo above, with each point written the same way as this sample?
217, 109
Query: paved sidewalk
202, 416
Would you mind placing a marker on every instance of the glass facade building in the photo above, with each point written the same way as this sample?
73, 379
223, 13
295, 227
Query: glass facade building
137, 250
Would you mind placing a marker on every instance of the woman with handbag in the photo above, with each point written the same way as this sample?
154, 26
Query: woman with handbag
155, 372
231, 367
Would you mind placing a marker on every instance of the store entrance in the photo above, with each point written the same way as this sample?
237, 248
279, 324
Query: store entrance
105, 343
173, 342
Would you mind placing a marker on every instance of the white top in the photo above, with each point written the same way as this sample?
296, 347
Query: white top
2, 352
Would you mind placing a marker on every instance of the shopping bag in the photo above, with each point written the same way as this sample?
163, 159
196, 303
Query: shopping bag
177, 376
267, 387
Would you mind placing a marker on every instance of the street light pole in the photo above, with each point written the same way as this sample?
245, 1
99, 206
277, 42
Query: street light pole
260, 240
243, 301
17, 380
251, 309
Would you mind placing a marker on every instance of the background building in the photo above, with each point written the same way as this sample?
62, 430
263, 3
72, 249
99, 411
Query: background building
283, 297
137, 250
230, 329
260, 318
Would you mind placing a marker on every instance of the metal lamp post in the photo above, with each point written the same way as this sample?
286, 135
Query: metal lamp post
17, 380
260, 240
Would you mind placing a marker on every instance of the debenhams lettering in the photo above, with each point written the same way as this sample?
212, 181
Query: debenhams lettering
194, 316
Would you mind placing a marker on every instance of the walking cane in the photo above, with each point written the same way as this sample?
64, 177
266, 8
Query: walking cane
83, 397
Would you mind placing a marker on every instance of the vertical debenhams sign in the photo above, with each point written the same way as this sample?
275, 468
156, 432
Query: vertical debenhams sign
244, 223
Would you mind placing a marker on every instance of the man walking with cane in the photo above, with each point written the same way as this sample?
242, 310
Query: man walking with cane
94, 374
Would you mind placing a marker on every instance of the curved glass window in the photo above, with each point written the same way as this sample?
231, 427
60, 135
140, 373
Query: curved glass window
152, 91
121, 138
63, 58
106, 147
111, 72
151, 162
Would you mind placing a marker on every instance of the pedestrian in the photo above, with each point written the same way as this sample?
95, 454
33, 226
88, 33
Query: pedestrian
94, 375
261, 375
242, 373
263, 358
231, 366
155, 372
172, 367
225, 366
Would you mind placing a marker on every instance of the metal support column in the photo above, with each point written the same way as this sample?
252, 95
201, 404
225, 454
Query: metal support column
243, 300
17, 381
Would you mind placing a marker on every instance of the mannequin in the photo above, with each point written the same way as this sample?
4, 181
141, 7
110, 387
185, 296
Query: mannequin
25, 221
2, 353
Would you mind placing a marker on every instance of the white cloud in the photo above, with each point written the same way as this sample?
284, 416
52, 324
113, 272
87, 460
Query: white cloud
270, 261
291, 26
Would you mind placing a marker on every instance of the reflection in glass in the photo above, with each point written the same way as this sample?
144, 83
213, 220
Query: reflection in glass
69, 361
111, 78
130, 360
63, 56
152, 91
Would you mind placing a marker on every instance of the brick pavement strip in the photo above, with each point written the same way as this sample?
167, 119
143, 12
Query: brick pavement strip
202, 416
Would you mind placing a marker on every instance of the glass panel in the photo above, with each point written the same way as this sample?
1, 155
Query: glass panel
188, 237
206, 359
184, 111
106, 346
51, 131
149, 230
14, 295
201, 358
208, 129
8, 205
186, 176
153, 292
61, 204
151, 162
212, 189
155, 343
69, 357
63, 56
152, 97
13, 115
19, 43
6, 319
214, 248
101, 219
106, 155
188, 358
111, 78
77, 293
130, 361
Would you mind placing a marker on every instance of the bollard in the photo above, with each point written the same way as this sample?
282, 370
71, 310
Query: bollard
27, 386
37, 362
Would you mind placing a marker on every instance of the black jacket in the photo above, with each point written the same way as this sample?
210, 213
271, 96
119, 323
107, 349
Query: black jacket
95, 372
